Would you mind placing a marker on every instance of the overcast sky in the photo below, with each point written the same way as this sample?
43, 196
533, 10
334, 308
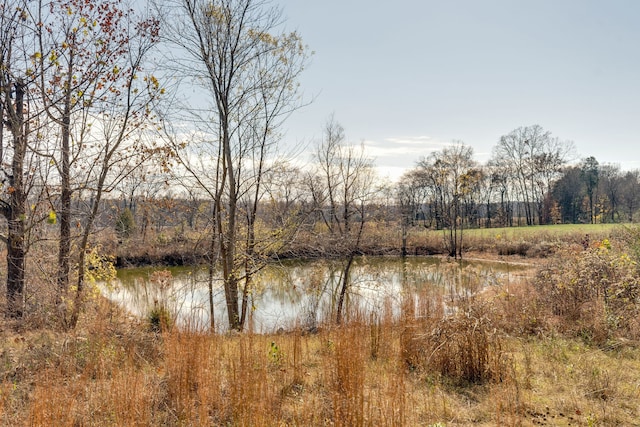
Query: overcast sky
407, 76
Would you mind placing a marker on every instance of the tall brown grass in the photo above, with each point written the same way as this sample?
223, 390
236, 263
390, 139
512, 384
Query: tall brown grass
430, 367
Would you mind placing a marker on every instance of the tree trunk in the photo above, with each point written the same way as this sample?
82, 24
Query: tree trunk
250, 252
212, 269
347, 270
64, 214
404, 238
343, 287
459, 244
79, 297
16, 257
227, 246
16, 245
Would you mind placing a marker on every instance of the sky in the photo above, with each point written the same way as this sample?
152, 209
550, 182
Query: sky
407, 77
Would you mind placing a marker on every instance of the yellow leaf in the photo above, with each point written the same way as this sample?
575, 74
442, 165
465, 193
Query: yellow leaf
53, 219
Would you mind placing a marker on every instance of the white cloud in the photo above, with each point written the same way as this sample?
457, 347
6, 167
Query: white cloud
409, 140
391, 173
416, 140
403, 148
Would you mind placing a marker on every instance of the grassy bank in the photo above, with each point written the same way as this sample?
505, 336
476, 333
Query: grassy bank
180, 247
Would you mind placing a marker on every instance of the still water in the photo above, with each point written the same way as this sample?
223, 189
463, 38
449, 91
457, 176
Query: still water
301, 293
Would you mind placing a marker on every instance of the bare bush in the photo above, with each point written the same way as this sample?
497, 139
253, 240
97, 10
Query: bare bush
593, 293
462, 348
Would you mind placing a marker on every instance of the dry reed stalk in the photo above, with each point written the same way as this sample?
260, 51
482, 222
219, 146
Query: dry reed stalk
54, 403
251, 395
185, 353
386, 399
128, 398
347, 373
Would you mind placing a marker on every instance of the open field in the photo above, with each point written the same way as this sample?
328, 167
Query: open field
538, 241
558, 231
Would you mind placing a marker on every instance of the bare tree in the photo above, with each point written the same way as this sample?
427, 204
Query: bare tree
342, 187
410, 197
534, 159
591, 176
611, 182
454, 176
80, 63
14, 210
569, 192
286, 197
250, 68
499, 174
631, 193
18, 116
114, 138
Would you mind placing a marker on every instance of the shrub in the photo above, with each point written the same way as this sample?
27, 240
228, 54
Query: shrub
125, 224
542, 249
462, 348
159, 319
517, 309
594, 294
514, 248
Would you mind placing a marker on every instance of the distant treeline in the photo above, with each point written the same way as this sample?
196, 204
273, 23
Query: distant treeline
587, 192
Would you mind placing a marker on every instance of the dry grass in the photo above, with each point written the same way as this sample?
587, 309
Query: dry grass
424, 369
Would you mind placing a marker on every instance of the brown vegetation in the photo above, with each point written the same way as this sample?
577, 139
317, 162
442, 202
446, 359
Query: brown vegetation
179, 246
557, 350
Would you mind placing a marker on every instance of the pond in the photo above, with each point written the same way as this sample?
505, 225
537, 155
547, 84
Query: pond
301, 293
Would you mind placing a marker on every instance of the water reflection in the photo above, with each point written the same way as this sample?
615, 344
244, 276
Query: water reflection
302, 293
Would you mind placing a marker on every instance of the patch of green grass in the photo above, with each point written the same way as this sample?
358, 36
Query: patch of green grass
536, 231
539, 241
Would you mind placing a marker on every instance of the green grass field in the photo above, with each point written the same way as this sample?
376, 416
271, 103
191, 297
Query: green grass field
538, 241
558, 231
